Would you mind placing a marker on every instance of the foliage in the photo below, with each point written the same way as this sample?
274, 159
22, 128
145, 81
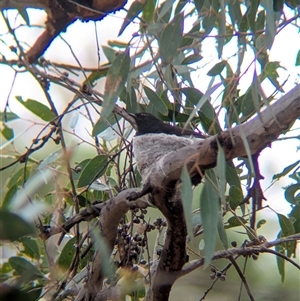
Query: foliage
64, 169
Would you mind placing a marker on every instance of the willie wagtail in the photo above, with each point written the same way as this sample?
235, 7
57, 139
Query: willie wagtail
149, 124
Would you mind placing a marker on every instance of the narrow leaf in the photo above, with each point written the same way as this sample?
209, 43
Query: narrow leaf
217, 68
37, 108
133, 11
297, 63
94, 169
187, 198
115, 80
25, 268
66, 255
148, 11
222, 232
171, 38
210, 206
157, 102
221, 172
13, 227
286, 170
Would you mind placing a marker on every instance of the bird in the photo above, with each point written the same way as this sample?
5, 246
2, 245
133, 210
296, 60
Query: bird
147, 123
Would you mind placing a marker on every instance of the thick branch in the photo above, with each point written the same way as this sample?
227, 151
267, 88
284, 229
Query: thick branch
257, 133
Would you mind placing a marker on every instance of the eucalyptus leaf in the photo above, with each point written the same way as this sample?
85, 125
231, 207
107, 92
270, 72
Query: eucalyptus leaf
210, 207
170, 38
115, 80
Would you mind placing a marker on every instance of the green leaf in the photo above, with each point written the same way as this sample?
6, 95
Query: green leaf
115, 80
157, 102
210, 206
171, 38
290, 194
287, 229
148, 11
30, 247
193, 58
222, 232
232, 177
7, 132
23, 13
297, 63
12, 227
133, 11
209, 21
280, 261
295, 217
8, 116
198, 4
187, 198
235, 222
260, 223
221, 28
25, 268
236, 196
94, 169
95, 75
221, 171
37, 108
110, 53
286, 170
251, 14
217, 69
102, 124
270, 23
67, 254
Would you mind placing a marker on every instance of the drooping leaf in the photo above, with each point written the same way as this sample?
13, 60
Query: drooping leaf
25, 268
7, 132
67, 253
222, 232
187, 198
221, 172
221, 28
115, 80
30, 247
171, 38
8, 116
297, 63
94, 169
236, 196
270, 23
148, 11
287, 229
251, 14
13, 227
157, 102
133, 11
232, 177
210, 206
217, 68
37, 108
280, 261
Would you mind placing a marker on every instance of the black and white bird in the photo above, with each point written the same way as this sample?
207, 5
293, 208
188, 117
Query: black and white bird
155, 139
149, 124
